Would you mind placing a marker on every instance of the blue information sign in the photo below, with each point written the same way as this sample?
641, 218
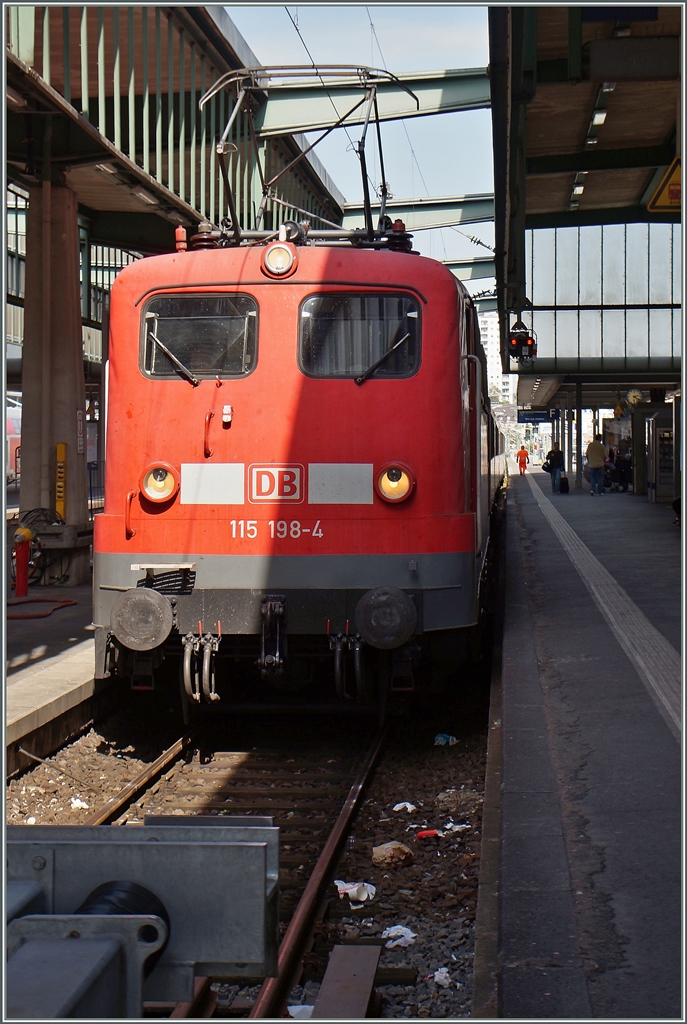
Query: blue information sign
530, 416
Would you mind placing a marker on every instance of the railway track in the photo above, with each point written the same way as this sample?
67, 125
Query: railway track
311, 797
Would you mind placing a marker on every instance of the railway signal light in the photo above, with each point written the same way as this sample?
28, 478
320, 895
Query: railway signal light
522, 343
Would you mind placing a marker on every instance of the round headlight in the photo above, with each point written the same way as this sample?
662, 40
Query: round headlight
278, 259
395, 482
159, 482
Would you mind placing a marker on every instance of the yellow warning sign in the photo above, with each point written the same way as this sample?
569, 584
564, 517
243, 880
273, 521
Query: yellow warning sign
668, 196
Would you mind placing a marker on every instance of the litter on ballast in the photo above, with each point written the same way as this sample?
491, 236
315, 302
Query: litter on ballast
443, 739
441, 977
76, 803
427, 832
358, 891
405, 806
398, 935
31, 820
451, 829
392, 855
302, 1011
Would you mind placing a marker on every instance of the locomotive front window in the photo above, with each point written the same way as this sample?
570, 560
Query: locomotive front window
200, 336
359, 336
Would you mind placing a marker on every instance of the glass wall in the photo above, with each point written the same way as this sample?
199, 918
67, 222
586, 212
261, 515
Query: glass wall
605, 298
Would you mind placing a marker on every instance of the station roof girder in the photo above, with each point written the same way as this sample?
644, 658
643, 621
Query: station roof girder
310, 106
423, 214
475, 269
599, 391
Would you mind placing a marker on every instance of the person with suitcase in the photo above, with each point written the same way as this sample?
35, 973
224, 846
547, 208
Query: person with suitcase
555, 460
564, 485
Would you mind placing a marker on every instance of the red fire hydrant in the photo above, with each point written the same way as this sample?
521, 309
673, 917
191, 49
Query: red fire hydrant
22, 549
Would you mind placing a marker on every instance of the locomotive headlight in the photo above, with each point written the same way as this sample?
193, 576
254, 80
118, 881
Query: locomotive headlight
279, 259
159, 482
395, 482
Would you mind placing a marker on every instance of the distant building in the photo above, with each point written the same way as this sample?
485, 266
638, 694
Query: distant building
503, 387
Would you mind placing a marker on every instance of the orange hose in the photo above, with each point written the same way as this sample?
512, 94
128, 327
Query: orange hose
61, 603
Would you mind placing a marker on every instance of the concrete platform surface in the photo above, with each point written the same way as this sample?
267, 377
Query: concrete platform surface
50, 661
30, 641
591, 795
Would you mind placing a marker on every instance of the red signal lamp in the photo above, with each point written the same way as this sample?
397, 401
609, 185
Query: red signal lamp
522, 342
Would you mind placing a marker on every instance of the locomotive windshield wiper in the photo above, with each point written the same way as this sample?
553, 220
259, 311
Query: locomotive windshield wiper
375, 366
184, 370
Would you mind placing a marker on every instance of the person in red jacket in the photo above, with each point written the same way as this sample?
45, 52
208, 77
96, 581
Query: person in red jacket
523, 458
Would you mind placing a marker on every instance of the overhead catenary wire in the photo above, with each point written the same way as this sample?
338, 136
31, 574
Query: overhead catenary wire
294, 22
471, 238
414, 158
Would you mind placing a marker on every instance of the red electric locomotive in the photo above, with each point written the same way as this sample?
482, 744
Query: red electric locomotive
300, 467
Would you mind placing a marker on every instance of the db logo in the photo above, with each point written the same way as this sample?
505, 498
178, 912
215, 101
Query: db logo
276, 483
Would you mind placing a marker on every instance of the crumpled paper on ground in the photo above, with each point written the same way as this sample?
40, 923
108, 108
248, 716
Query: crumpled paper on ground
358, 891
398, 935
392, 855
76, 803
301, 1011
405, 806
441, 977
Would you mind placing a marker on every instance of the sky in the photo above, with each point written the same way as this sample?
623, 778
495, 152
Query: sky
443, 155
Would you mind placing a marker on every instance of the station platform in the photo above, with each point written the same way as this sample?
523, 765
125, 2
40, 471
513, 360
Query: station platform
50, 688
582, 864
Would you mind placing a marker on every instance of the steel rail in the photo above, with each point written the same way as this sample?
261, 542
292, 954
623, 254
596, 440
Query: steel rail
275, 990
128, 792
203, 1003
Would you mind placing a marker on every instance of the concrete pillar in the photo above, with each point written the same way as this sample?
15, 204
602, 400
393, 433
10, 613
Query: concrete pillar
570, 438
677, 445
54, 400
578, 437
639, 476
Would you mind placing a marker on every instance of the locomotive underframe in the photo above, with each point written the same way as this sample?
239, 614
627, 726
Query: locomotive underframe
315, 626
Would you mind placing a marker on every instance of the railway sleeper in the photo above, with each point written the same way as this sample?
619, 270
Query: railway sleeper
348, 983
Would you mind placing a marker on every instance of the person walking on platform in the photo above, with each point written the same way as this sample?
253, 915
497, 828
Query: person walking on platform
523, 457
556, 461
596, 458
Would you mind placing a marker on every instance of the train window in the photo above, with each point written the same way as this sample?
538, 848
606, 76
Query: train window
358, 336
200, 336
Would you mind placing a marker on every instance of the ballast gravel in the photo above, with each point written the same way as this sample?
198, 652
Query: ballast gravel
436, 895
77, 780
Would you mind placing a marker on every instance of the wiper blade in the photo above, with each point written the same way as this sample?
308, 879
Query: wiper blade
184, 370
375, 366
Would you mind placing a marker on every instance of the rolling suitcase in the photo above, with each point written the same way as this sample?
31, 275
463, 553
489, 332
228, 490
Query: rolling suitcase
564, 486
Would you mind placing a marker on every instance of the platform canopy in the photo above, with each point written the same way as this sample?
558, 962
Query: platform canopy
586, 117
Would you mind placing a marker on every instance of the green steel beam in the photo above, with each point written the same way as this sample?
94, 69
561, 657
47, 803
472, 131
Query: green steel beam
22, 20
602, 160
422, 214
472, 270
486, 305
311, 107
613, 215
46, 46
